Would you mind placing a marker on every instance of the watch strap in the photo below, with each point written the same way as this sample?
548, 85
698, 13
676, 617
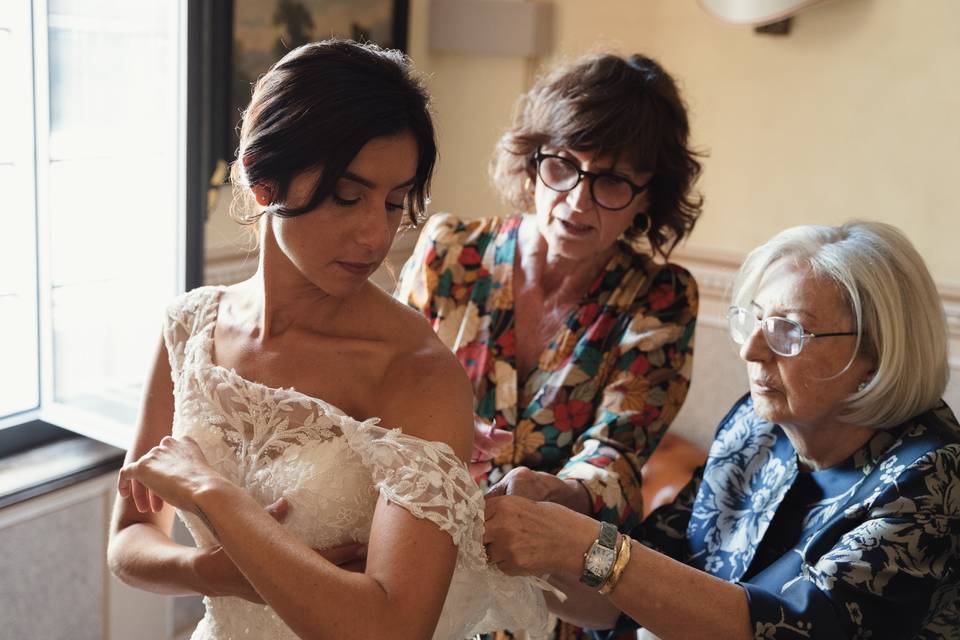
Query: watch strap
599, 558
608, 535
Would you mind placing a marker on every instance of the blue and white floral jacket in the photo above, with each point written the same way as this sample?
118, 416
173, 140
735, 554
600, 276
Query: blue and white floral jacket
878, 551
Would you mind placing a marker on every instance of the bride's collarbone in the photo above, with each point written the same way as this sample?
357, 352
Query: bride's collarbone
349, 361
345, 371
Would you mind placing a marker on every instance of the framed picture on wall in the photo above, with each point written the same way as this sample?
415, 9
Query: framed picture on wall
265, 30
231, 43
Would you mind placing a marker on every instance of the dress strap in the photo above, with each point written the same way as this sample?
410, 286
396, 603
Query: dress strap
188, 315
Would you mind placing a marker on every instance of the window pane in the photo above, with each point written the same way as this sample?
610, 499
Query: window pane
19, 375
19, 354
7, 107
112, 185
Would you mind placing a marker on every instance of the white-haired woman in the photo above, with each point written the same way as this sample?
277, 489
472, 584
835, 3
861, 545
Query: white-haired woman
829, 506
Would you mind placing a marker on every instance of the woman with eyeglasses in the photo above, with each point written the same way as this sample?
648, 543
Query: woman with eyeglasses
577, 340
829, 506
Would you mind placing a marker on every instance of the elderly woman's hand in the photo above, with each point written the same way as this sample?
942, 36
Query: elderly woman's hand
523, 537
542, 487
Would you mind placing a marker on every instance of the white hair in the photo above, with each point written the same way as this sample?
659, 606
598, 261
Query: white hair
899, 315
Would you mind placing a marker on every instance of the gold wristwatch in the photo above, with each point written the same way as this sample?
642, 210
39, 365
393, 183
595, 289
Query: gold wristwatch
599, 558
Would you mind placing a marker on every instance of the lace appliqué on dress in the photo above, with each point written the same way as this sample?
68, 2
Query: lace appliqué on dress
331, 468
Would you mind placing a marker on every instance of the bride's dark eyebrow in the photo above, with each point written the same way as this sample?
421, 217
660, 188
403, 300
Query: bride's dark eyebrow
348, 175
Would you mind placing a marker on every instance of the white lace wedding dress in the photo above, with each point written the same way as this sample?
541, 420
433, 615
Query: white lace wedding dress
331, 468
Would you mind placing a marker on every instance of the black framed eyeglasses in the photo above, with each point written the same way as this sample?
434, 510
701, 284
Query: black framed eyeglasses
784, 336
607, 189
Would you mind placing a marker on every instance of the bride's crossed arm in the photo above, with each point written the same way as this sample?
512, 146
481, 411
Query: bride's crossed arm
410, 561
141, 552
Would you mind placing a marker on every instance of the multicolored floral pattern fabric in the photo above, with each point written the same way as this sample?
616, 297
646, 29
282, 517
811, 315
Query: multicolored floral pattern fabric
607, 386
876, 553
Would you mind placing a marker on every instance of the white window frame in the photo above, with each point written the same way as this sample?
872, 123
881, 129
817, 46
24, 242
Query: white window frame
22, 85
81, 421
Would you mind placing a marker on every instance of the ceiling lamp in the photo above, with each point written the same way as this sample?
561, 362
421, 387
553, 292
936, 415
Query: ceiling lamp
754, 12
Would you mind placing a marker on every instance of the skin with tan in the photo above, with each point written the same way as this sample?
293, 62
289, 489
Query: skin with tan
560, 252
308, 319
674, 601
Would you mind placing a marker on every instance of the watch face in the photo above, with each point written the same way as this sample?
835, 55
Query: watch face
599, 561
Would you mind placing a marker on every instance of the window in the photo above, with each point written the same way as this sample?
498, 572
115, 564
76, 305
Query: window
95, 221
19, 367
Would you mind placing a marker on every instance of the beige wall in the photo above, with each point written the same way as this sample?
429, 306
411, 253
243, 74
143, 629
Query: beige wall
854, 114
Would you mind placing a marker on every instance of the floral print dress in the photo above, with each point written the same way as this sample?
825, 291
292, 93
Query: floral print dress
607, 386
869, 548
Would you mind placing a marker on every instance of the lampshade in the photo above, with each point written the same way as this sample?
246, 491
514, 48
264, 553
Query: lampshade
754, 12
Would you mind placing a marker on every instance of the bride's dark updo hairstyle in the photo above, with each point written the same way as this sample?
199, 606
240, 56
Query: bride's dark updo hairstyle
317, 107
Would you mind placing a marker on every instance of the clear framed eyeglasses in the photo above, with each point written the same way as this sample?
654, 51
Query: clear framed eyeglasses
784, 336
609, 190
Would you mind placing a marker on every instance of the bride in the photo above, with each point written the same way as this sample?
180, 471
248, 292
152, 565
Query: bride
260, 423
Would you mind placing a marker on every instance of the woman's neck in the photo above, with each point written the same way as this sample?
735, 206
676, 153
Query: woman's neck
824, 446
286, 298
556, 275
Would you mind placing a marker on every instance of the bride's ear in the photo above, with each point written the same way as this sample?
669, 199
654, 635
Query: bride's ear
263, 194
262, 191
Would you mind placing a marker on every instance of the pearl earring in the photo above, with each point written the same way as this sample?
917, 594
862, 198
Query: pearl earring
262, 194
861, 386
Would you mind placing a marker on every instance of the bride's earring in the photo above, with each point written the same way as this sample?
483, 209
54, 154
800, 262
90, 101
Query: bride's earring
262, 194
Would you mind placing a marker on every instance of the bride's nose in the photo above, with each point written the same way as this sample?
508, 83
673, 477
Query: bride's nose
373, 231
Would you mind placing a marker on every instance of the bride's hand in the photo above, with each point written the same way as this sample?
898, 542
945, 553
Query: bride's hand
352, 557
171, 472
221, 577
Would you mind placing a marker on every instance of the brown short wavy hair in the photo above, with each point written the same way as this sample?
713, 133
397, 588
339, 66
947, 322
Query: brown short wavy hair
621, 107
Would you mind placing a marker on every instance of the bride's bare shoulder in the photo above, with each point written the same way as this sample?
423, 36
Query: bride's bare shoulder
424, 389
400, 325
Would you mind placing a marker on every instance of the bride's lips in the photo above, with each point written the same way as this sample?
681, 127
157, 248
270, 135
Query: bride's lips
357, 268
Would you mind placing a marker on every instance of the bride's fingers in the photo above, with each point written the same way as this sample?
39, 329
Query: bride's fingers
357, 566
279, 509
156, 502
345, 555
139, 494
123, 483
